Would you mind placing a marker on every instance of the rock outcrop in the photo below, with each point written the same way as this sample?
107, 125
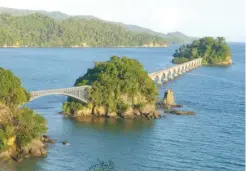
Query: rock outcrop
5, 114
34, 149
168, 99
147, 111
47, 139
227, 61
168, 104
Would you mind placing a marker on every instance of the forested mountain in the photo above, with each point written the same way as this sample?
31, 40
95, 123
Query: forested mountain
172, 37
147, 36
43, 31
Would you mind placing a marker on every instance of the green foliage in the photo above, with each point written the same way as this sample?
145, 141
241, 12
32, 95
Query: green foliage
71, 106
22, 123
213, 51
6, 132
26, 126
43, 31
180, 60
3, 144
30, 126
11, 91
117, 84
138, 106
102, 166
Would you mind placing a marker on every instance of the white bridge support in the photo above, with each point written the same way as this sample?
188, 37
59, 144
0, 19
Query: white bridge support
174, 71
79, 93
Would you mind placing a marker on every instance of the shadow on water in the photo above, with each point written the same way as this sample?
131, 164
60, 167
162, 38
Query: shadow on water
113, 125
102, 125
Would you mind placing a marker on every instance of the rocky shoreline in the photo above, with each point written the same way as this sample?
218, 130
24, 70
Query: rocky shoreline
36, 148
167, 105
148, 112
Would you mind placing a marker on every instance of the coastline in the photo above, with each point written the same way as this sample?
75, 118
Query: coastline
75, 46
116, 47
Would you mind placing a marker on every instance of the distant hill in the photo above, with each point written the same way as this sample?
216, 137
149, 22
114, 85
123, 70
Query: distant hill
173, 37
57, 15
124, 35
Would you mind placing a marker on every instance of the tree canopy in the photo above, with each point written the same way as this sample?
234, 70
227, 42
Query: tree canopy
18, 126
11, 90
43, 31
115, 81
213, 51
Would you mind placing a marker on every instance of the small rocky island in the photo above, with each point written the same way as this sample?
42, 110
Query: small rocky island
212, 51
120, 88
169, 106
21, 128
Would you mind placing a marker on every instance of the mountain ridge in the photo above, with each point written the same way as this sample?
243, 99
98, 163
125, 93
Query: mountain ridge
172, 37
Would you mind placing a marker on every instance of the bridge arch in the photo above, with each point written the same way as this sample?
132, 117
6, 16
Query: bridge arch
80, 93
157, 79
63, 94
175, 72
164, 77
170, 74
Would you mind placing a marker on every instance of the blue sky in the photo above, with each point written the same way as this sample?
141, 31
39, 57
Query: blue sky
192, 17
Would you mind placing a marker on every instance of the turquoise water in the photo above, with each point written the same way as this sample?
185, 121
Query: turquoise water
213, 139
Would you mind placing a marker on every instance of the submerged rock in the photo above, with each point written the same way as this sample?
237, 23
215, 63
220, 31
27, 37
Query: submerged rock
18, 158
65, 143
47, 139
180, 112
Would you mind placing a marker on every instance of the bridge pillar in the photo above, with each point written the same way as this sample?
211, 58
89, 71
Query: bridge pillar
175, 73
171, 74
159, 82
160, 75
183, 69
187, 68
165, 79
180, 70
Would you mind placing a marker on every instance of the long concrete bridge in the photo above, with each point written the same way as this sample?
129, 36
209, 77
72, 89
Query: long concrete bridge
81, 93
174, 71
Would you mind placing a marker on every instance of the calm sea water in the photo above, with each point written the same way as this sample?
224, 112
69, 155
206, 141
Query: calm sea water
213, 139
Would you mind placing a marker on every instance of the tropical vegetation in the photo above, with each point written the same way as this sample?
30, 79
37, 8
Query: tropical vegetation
172, 37
213, 51
18, 125
117, 84
38, 30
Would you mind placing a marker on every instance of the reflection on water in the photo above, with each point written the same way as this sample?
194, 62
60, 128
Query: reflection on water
213, 139
29, 164
114, 125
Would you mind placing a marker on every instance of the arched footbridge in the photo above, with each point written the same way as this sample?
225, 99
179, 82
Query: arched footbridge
81, 93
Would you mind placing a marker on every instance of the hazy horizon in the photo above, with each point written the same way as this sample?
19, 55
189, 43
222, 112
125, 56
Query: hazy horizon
196, 19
